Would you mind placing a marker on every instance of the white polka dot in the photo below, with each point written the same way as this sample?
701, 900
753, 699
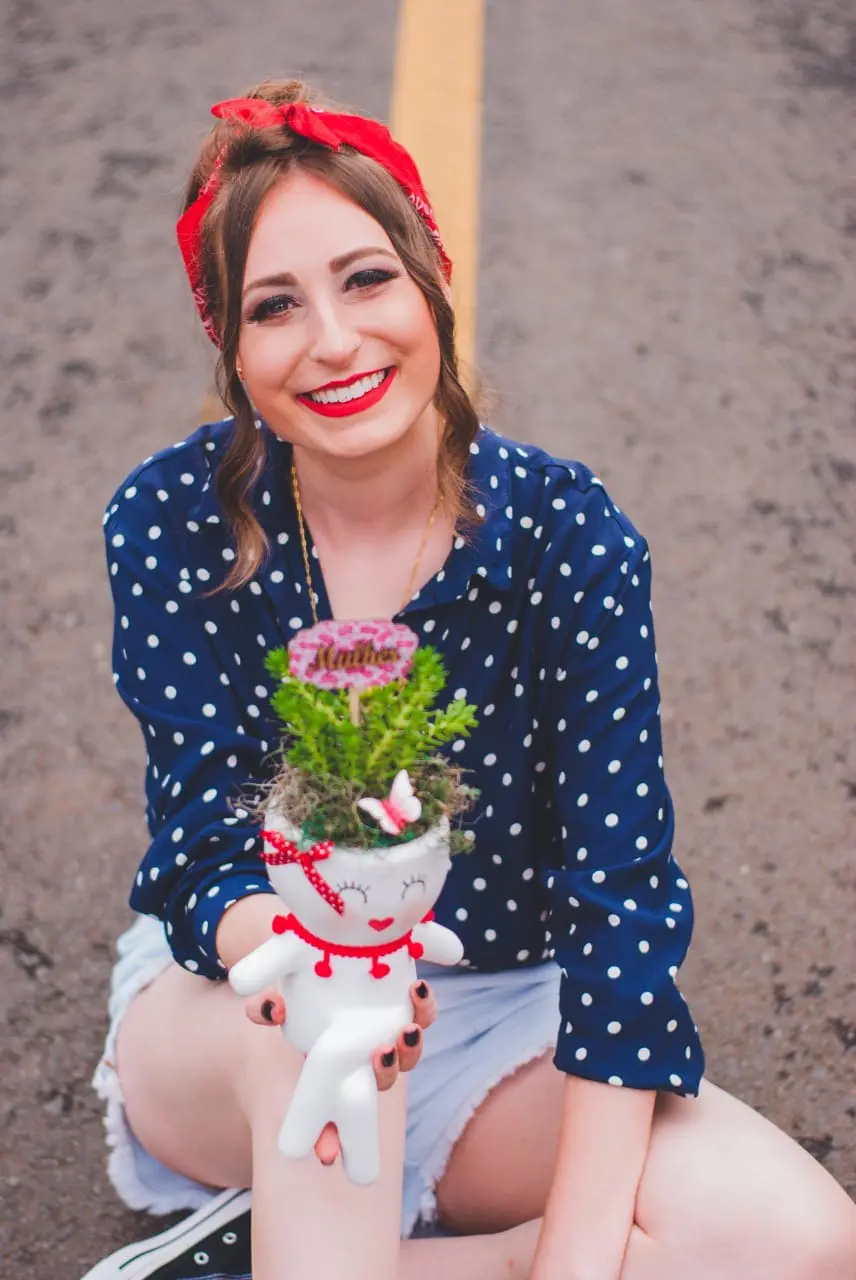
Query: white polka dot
170, 691
490, 935
582, 637
206, 748
598, 877
615, 1080
642, 789
582, 801
191, 965
614, 920
643, 1055
641, 843
646, 997
611, 819
592, 695
479, 884
613, 971
581, 1054
644, 947
490, 759
523, 955
515, 829
613, 1028
598, 549
154, 532
619, 713
613, 766
209, 709
189, 659
585, 745
586, 998
675, 1080
209, 795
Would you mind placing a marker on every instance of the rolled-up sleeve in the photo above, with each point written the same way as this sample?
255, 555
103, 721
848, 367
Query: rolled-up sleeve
200, 755
621, 913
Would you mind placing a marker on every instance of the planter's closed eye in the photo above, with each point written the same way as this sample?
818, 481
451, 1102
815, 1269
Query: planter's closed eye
356, 888
408, 884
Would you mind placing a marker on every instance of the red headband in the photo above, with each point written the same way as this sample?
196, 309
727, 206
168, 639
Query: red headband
329, 130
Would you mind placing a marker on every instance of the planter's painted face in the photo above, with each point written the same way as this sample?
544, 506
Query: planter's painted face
386, 891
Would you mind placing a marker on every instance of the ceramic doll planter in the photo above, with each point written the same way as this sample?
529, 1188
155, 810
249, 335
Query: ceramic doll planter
357, 876
344, 957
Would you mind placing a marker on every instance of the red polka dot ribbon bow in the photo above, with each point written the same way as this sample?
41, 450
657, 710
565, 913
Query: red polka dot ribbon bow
328, 129
287, 851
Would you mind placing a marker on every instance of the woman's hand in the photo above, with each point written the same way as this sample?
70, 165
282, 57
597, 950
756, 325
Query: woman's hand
268, 1010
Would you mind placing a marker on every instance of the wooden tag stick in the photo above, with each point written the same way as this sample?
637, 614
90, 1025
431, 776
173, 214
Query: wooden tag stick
354, 705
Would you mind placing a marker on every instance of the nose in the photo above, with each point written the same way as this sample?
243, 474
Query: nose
334, 341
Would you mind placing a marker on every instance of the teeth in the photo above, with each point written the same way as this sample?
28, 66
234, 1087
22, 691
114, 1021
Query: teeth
341, 395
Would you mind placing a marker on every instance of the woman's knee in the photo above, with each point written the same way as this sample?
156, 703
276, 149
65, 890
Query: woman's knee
818, 1241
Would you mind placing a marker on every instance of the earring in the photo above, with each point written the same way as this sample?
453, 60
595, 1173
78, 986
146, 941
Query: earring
239, 371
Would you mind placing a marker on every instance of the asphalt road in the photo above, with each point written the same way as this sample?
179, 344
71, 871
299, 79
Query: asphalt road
667, 290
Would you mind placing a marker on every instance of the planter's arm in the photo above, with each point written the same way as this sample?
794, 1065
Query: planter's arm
441, 945
273, 959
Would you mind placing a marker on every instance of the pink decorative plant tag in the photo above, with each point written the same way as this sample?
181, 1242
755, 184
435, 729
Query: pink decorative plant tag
352, 655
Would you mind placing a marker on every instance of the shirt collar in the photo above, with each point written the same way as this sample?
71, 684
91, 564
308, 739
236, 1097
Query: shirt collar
485, 551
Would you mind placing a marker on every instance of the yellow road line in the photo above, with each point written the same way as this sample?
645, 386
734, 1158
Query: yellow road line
436, 114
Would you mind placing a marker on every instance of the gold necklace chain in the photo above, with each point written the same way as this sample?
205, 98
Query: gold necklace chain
295, 488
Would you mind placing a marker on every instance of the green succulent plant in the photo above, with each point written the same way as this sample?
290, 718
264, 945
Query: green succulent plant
328, 763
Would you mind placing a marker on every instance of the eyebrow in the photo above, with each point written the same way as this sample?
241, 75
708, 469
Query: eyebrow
336, 265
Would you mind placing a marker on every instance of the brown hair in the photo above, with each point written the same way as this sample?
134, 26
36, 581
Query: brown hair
252, 162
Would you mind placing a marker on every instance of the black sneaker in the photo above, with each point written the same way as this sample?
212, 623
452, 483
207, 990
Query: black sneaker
211, 1244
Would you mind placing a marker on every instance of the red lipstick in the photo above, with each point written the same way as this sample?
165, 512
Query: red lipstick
345, 408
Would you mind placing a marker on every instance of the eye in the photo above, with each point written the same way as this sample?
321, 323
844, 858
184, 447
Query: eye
269, 308
408, 884
369, 277
355, 888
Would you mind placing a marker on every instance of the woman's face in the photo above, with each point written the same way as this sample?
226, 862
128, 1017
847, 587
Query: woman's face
338, 348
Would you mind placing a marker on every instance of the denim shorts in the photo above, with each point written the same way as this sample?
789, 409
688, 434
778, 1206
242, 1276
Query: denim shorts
489, 1025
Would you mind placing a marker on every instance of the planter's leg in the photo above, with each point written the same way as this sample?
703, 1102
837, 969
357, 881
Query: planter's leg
357, 1121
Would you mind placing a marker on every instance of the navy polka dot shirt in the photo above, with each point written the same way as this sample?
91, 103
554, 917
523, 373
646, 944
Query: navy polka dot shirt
543, 619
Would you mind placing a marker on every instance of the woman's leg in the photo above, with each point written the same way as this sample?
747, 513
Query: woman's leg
205, 1091
724, 1194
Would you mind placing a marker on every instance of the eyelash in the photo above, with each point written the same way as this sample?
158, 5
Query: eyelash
359, 888
371, 277
408, 884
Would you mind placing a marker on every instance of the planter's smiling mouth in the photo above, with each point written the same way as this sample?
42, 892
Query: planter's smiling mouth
380, 925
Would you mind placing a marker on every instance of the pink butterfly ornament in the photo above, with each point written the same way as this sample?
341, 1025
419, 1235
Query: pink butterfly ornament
398, 809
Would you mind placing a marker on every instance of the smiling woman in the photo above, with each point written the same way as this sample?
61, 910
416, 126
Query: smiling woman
560, 1116
319, 270
357, 316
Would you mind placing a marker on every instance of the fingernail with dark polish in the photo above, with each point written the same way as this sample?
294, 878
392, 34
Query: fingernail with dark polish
422, 990
388, 1058
267, 1010
411, 1039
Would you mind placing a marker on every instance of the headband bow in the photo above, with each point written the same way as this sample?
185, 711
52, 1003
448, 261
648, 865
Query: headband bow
326, 128
287, 851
